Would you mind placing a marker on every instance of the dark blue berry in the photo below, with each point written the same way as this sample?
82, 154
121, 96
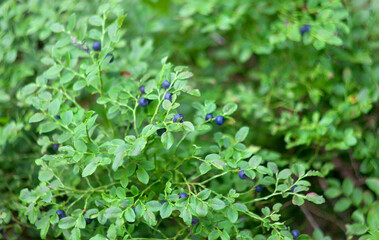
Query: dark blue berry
143, 102
258, 188
219, 120
179, 117
55, 147
88, 221
57, 117
194, 221
96, 46
166, 84
183, 195
168, 96
163, 202
111, 56
242, 174
304, 29
61, 214
161, 131
293, 188
295, 233
142, 89
208, 116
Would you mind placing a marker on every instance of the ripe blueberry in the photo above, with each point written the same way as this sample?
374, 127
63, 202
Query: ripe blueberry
219, 120
111, 56
61, 214
242, 174
161, 131
57, 117
96, 46
55, 147
166, 84
208, 116
163, 202
168, 96
295, 233
143, 102
142, 89
179, 117
183, 195
194, 221
88, 221
293, 188
258, 188
304, 29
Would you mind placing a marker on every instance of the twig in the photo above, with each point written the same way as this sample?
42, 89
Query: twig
309, 216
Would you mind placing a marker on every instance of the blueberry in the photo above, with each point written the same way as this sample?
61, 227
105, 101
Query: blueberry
61, 214
293, 188
258, 188
304, 29
194, 221
219, 120
166, 84
57, 117
168, 96
96, 46
88, 221
242, 174
179, 117
142, 89
183, 195
295, 233
163, 202
55, 147
111, 56
161, 131
208, 116
143, 102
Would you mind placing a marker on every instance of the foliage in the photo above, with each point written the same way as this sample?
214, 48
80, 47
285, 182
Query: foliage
300, 106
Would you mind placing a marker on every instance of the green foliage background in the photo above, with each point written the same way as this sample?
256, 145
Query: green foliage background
310, 102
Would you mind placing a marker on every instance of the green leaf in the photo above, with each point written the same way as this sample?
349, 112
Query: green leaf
138, 146
67, 222
75, 234
53, 71
130, 215
242, 134
332, 192
216, 204
203, 195
45, 175
95, 20
229, 108
142, 175
284, 174
113, 212
78, 85
297, 200
166, 210
373, 184
153, 206
57, 27
37, 117
80, 146
347, 187
47, 127
54, 107
67, 117
255, 161
64, 137
43, 225
342, 205
356, 229
185, 75
204, 168
167, 140
89, 169
232, 214
149, 217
